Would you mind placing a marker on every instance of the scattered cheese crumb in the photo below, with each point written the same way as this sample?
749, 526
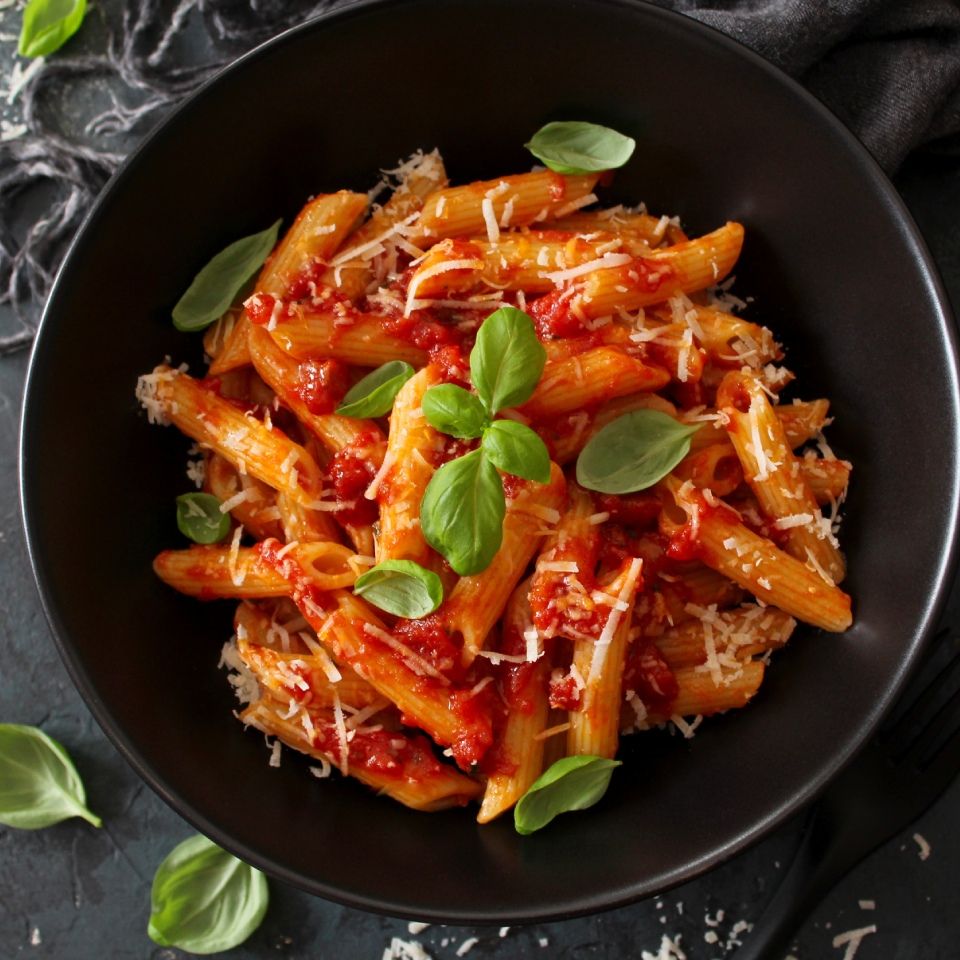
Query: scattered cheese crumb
415, 927
405, 950
868, 904
924, 846
852, 939
504, 931
467, 946
669, 950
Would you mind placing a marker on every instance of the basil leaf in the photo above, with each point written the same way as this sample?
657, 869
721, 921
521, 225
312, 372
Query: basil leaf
401, 587
462, 512
633, 452
48, 25
573, 783
373, 396
217, 284
576, 147
39, 784
200, 519
204, 900
517, 449
507, 360
455, 411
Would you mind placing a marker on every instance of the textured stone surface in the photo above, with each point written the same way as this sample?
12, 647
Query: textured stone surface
72, 892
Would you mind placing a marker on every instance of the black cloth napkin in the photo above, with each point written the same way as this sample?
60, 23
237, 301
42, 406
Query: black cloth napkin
889, 69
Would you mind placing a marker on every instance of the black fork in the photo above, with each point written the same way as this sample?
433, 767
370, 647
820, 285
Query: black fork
902, 771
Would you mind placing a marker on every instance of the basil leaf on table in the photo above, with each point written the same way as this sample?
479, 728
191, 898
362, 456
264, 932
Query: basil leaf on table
204, 900
401, 587
215, 287
517, 449
199, 517
454, 411
373, 396
462, 512
39, 785
633, 452
507, 360
574, 147
573, 783
48, 25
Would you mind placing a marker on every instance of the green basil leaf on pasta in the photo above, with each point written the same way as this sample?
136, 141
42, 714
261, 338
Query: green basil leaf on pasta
199, 517
373, 396
507, 360
39, 784
462, 512
48, 25
454, 411
633, 452
216, 286
574, 147
204, 900
401, 587
573, 783
517, 449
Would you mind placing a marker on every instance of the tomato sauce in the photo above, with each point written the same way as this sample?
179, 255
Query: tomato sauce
349, 476
428, 639
564, 693
321, 384
646, 673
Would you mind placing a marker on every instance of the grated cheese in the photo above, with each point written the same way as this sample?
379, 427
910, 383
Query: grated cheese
852, 940
559, 277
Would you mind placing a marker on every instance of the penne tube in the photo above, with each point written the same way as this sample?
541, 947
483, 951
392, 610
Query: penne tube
240, 438
638, 227
362, 339
283, 374
700, 696
478, 601
800, 420
595, 724
774, 475
257, 512
516, 758
716, 468
591, 378
729, 340
716, 536
318, 230
408, 466
827, 479
684, 268
391, 762
302, 524
717, 638
218, 572
484, 207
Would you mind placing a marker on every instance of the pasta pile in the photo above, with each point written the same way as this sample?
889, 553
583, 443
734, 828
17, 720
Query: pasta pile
600, 612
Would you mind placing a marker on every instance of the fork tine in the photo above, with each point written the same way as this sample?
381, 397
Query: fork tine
919, 751
898, 738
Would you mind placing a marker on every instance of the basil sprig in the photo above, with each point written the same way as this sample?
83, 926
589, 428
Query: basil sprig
204, 900
48, 25
463, 507
401, 587
373, 396
199, 518
573, 783
39, 784
216, 286
576, 147
633, 452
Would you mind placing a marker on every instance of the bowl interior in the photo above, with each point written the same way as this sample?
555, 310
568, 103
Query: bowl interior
837, 271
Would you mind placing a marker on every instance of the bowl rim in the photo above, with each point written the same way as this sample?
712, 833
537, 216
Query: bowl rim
576, 905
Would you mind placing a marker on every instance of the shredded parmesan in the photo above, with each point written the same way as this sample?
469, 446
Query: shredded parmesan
559, 277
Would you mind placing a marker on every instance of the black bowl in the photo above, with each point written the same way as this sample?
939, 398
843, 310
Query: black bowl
838, 271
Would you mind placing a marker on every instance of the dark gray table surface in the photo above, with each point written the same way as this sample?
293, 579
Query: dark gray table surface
73, 892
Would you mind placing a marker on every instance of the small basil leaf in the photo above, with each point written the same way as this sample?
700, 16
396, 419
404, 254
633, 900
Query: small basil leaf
48, 25
401, 587
573, 783
633, 452
507, 359
462, 512
517, 449
373, 396
215, 287
39, 784
575, 147
204, 900
455, 411
200, 519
